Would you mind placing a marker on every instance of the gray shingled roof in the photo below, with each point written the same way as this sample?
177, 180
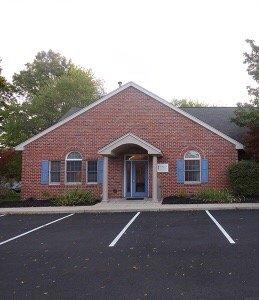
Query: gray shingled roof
69, 113
217, 117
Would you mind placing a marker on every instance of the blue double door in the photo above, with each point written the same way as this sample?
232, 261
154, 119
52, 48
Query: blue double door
136, 179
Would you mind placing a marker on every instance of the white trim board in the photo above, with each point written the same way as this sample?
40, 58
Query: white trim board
118, 90
129, 138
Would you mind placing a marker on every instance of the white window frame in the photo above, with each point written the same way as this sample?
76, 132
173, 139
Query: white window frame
74, 159
91, 182
192, 158
50, 182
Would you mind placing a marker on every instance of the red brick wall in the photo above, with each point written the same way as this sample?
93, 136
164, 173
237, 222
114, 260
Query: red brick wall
135, 112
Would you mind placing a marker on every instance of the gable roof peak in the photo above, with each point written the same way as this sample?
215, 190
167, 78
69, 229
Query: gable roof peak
115, 92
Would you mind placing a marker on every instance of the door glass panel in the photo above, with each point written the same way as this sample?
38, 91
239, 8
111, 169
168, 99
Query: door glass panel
128, 177
140, 177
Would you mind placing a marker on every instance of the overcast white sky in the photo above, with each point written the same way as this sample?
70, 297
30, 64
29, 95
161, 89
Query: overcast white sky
177, 48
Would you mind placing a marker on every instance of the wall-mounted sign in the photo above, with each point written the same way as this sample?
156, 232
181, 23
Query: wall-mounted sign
162, 168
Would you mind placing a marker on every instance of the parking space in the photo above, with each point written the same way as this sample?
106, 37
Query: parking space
172, 230
14, 225
242, 224
155, 255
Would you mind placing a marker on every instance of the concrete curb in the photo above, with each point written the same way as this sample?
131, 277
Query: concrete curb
112, 208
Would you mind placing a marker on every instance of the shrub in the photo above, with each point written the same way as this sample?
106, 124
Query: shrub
244, 178
8, 195
46, 195
182, 193
215, 195
75, 197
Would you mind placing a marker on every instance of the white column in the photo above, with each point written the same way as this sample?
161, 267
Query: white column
154, 181
105, 179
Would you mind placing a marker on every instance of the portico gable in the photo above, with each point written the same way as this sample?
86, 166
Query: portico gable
124, 144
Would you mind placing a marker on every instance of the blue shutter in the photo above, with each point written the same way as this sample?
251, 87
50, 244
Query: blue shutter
180, 170
100, 170
44, 176
204, 170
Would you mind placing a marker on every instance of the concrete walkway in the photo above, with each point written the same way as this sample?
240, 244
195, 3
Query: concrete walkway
126, 206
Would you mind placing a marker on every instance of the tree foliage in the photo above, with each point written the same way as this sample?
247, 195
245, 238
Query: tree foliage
6, 96
76, 88
17, 124
46, 66
187, 103
10, 164
49, 87
244, 178
247, 114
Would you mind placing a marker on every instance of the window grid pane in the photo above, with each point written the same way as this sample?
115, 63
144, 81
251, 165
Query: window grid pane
74, 165
55, 167
74, 155
192, 170
74, 171
92, 171
192, 165
192, 154
192, 176
55, 177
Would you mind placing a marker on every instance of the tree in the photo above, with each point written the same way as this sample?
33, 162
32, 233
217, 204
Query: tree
10, 165
76, 88
6, 96
6, 89
17, 124
188, 103
45, 67
3, 86
247, 114
2, 79
49, 86
10, 162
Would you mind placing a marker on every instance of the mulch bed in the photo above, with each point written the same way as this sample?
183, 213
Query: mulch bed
168, 200
30, 203
190, 200
26, 203
180, 200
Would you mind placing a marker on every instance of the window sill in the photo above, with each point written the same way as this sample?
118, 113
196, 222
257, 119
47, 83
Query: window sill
92, 183
54, 183
73, 183
192, 182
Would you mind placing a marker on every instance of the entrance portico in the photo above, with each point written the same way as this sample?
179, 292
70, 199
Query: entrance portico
136, 153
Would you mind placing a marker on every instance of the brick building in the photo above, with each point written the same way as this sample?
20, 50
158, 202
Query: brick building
132, 144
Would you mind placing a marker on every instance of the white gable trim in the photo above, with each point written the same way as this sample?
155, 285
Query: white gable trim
223, 135
123, 87
78, 113
129, 138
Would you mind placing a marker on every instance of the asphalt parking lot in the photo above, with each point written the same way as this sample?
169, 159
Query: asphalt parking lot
155, 255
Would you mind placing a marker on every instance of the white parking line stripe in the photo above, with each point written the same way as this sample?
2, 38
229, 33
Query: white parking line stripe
221, 228
2, 216
113, 243
34, 229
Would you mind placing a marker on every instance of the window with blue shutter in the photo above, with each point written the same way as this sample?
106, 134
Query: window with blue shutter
100, 171
44, 176
180, 170
204, 170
